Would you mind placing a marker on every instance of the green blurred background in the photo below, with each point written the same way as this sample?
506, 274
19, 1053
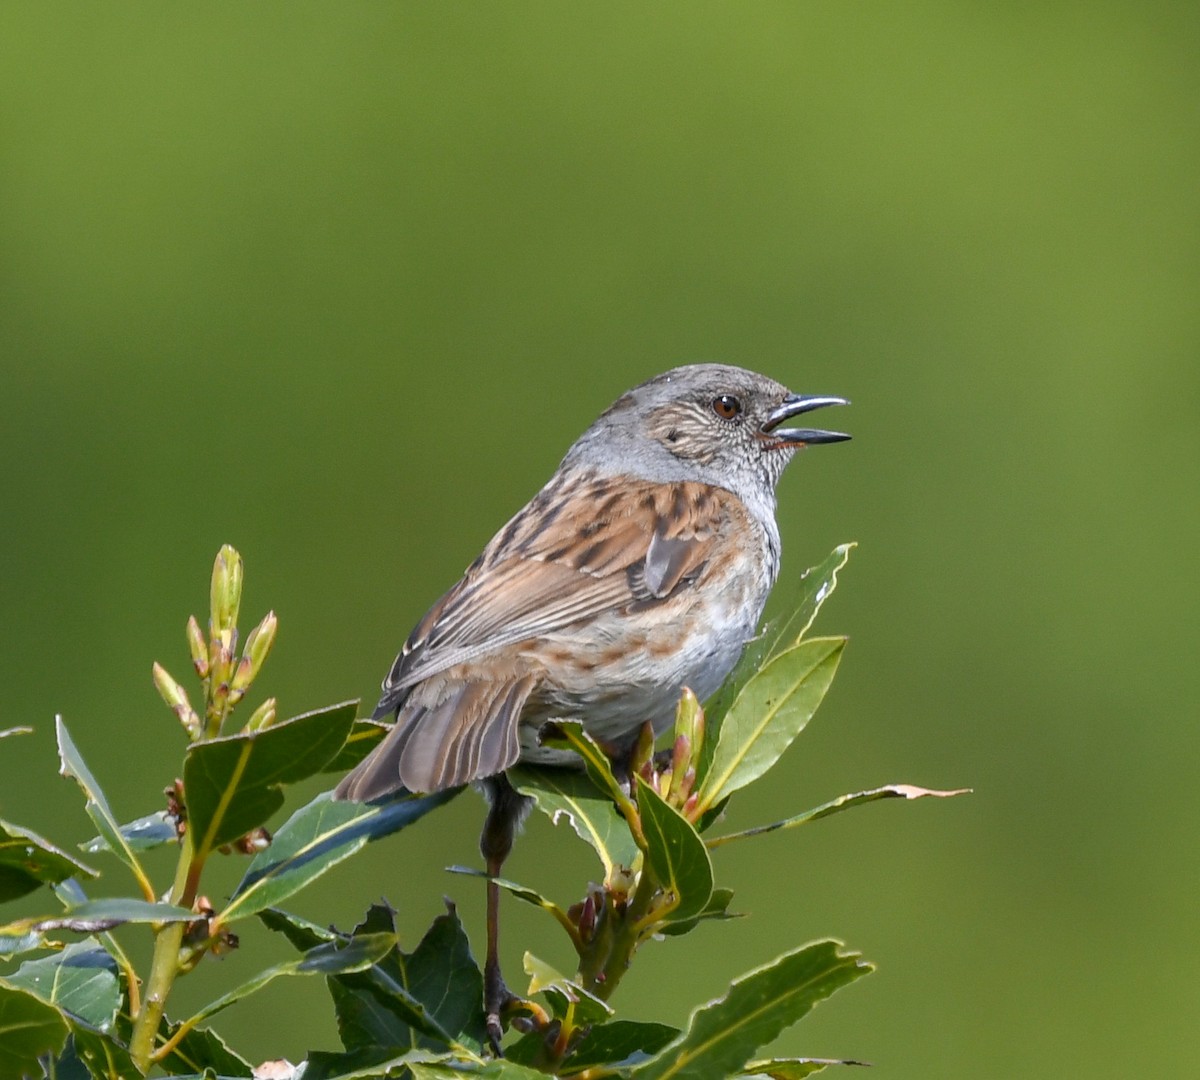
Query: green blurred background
339, 284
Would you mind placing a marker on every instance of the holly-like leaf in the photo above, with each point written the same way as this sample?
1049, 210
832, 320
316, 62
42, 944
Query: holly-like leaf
564, 794
81, 980
99, 1053
430, 999
73, 765
772, 709
29, 1028
723, 1036
145, 833
620, 1044
842, 802
676, 855
234, 783
316, 838
27, 862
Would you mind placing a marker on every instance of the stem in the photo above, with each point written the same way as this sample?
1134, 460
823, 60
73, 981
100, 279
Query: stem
622, 939
164, 966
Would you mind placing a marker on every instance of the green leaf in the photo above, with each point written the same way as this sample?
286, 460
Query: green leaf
27, 862
780, 634
29, 1028
300, 932
430, 999
676, 855
364, 736
791, 1068
94, 916
716, 908
145, 833
316, 838
768, 714
562, 993
234, 783
200, 1049
81, 980
99, 1052
522, 892
334, 958
497, 1069
620, 1044
723, 1035
569, 735
834, 806
566, 794
98, 810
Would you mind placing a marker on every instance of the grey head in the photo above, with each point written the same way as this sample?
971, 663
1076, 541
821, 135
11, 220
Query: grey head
713, 423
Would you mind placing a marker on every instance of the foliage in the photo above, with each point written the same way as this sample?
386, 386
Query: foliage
73, 1004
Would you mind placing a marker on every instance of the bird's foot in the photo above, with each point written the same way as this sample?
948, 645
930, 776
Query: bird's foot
497, 1000
501, 1004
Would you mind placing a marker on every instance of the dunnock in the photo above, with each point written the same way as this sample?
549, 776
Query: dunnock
641, 567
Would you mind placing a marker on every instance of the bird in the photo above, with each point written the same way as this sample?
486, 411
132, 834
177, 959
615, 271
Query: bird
641, 567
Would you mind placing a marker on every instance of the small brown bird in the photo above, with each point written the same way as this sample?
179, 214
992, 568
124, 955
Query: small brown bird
641, 567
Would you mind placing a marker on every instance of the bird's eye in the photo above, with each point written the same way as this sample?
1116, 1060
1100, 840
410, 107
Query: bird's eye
726, 406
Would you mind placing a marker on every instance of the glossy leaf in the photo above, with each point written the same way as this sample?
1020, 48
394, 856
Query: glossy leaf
81, 980
29, 1028
723, 1036
522, 892
145, 833
562, 993
428, 999
780, 634
566, 794
775, 637
234, 783
772, 709
99, 1052
27, 862
364, 736
72, 765
716, 909
675, 854
316, 838
496, 1069
790, 1068
95, 916
200, 1049
331, 959
842, 802
620, 1044
569, 735
302, 933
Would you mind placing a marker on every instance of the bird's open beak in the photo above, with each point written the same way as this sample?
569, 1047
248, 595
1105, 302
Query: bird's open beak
794, 405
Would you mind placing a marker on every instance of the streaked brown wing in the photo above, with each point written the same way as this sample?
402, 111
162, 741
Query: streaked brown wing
575, 552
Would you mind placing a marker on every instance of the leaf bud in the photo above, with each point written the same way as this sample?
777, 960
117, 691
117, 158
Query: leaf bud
262, 717
197, 647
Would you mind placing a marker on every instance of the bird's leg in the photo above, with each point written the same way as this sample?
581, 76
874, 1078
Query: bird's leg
505, 813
